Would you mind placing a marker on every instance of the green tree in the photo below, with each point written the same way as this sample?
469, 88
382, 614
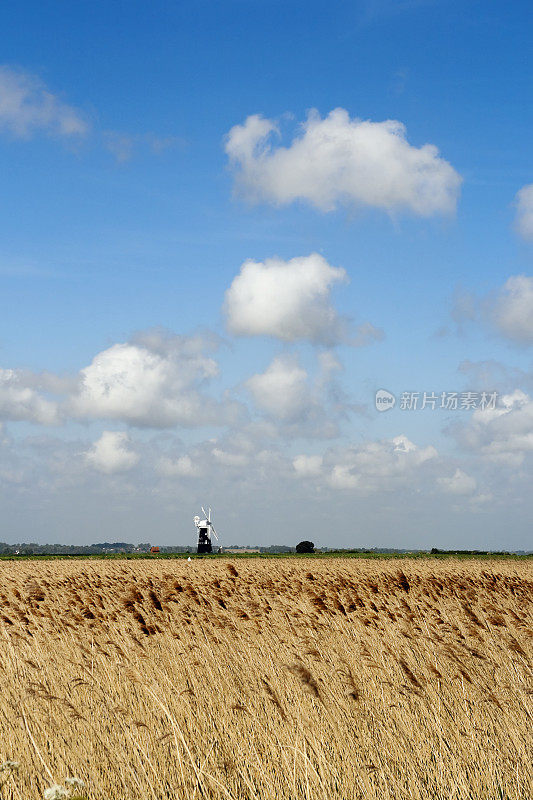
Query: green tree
305, 547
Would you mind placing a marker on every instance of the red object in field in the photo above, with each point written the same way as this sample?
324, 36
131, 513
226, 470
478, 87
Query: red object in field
154, 549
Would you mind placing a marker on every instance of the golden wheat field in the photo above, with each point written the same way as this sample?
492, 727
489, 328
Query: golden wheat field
291, 678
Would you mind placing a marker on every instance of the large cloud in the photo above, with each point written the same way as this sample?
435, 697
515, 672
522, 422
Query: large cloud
339, 160
157, 380
513, 310
154, 381
27, 106
289, 300
111, 453
524, 212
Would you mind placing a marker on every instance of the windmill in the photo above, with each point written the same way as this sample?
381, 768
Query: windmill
205, 529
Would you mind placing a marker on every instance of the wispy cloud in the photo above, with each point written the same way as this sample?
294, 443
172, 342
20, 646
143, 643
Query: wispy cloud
123, 146
28, 107
524, 212
508, 310
513, 310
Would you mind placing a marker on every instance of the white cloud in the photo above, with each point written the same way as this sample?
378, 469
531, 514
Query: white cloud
282, 390
230, 459
289, 300
503, 434
459, 483
27, 106
300, 404
20, 400
152, 382
257, 483
111, 453
513, 311
183, 467
329, 364
307, 466
338, 160
237, 454
507, 310
481, 499
379, 465
158, 380
524, 212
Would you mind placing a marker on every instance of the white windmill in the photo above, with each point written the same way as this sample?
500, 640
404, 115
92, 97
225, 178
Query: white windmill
205, 529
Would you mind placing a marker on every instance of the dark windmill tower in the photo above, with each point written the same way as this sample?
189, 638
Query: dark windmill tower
205, 530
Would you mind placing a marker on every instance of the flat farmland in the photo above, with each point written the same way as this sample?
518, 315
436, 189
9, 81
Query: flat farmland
283, 679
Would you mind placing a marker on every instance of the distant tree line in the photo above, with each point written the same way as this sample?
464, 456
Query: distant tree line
435, 551
34, 549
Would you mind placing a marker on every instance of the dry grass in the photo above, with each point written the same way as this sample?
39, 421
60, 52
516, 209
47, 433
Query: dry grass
280, 679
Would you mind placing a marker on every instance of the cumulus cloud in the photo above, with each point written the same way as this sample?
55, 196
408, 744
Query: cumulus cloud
307, 466
27, 106
20, 400
154, 381
513, 310
342, 161
524, 212
241, 454
183, 467
459, 483
296, 403
503, 434
378, 465
111, 453
230, 459
282, 390
289, 300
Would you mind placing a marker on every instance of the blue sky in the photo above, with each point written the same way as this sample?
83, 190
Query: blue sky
134, 218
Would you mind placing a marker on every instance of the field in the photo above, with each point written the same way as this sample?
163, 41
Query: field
278, 679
